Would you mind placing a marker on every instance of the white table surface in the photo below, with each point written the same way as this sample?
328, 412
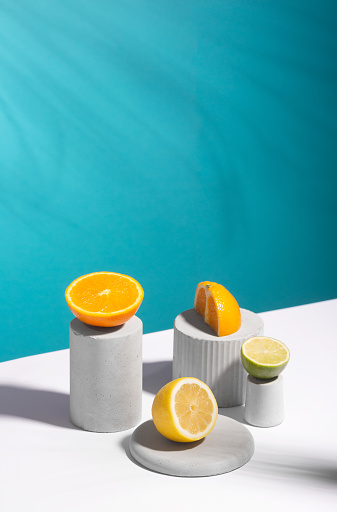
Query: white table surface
46, 464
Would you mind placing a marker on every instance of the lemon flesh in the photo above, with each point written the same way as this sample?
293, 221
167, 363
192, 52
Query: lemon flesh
263, 357
184, 410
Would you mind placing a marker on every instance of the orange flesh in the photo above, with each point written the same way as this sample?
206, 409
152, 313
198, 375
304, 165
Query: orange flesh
212, 315
104, 293
104, 299
201, 302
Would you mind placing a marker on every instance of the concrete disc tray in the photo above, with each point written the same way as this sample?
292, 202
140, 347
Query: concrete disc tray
229, 446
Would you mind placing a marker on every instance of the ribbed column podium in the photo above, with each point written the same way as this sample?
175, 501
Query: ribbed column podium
106, 376
198, 352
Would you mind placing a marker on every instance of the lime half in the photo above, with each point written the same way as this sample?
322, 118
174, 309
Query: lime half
264, 358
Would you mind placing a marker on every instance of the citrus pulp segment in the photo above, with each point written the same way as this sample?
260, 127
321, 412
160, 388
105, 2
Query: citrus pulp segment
218, 308
200, 297
264, 357
184, 410
104, 299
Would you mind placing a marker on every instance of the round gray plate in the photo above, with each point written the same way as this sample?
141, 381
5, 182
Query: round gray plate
229, 446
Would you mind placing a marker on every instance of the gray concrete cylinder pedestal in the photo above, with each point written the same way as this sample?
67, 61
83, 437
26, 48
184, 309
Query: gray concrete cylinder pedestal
106, 376
264, 402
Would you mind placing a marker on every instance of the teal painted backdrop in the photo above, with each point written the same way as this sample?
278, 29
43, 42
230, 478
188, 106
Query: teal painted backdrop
174, 141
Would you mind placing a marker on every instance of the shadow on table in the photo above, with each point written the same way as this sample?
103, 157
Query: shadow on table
156, 375
236, 413
125, 445
147, 438
271, 464
41, 405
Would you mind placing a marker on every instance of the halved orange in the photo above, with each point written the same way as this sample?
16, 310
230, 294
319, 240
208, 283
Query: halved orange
104, 299
218, 308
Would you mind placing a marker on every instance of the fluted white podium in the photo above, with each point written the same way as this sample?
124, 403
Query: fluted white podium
198, 352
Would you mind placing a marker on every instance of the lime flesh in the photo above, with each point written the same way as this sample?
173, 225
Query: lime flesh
263, 357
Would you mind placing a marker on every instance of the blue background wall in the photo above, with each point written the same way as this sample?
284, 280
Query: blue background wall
174, 141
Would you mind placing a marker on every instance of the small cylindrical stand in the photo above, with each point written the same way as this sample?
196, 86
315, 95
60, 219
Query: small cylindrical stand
264, 401
106, 376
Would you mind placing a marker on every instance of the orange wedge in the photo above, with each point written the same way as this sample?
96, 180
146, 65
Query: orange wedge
104, 299
218, 308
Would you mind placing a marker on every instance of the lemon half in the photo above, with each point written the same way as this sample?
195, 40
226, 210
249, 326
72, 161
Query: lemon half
185, 410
